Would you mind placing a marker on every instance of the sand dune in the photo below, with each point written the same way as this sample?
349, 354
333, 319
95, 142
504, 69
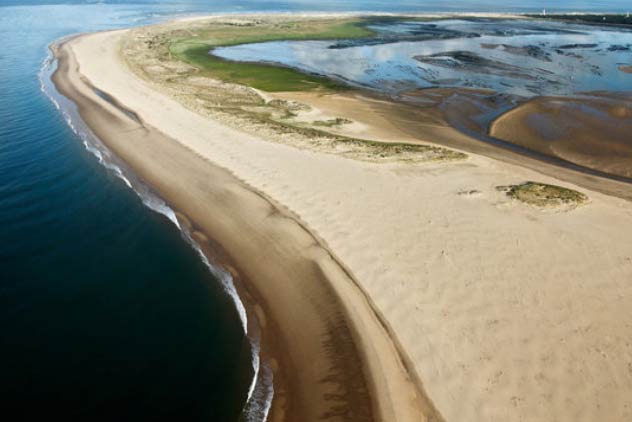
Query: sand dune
504, 312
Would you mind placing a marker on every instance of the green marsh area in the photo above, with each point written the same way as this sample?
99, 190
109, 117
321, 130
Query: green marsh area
194, 50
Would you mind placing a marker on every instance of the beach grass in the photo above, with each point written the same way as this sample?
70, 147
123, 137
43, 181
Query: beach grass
543, 195
394, 151
196, 50
357, 148
338, 121
178, 60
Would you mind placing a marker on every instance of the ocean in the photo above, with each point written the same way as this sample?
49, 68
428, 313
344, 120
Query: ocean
107, 311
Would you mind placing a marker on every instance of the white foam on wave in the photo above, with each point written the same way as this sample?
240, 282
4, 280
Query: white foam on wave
261, 391
224, 277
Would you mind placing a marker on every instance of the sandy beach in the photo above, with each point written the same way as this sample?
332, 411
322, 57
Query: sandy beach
328, 347
395, 291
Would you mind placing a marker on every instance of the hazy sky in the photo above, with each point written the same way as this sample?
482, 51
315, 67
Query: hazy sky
386, 5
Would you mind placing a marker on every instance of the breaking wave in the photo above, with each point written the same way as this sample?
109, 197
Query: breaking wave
260, 392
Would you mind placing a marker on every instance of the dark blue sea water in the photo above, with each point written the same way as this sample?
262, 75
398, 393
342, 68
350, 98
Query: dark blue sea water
107, 312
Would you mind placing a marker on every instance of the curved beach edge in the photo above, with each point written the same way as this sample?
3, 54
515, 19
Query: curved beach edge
332, 354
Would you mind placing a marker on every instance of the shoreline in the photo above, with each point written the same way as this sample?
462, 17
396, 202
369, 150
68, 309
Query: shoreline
305, 397
468, 290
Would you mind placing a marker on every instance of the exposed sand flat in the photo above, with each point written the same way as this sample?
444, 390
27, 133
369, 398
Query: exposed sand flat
592, 132
505, 312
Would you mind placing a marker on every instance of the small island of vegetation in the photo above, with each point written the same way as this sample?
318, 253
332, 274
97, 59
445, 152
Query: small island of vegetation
543, 195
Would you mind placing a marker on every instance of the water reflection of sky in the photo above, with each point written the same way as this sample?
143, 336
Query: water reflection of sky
505, 65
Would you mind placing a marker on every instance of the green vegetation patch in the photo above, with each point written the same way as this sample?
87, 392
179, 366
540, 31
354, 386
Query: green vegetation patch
338, 121
176, 58
196, 50
543, 195
363, 149
392, 151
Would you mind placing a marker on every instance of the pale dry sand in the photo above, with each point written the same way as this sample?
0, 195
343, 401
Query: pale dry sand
504, 312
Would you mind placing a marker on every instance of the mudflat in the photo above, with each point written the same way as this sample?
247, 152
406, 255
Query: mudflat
593, 131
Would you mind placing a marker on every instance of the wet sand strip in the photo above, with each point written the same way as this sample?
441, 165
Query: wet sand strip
331, 352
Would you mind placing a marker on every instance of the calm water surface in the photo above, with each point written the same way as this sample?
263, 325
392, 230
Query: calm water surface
106, 311
514, 57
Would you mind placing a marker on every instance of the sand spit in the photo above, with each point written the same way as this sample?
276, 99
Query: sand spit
500, 311
332, 356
